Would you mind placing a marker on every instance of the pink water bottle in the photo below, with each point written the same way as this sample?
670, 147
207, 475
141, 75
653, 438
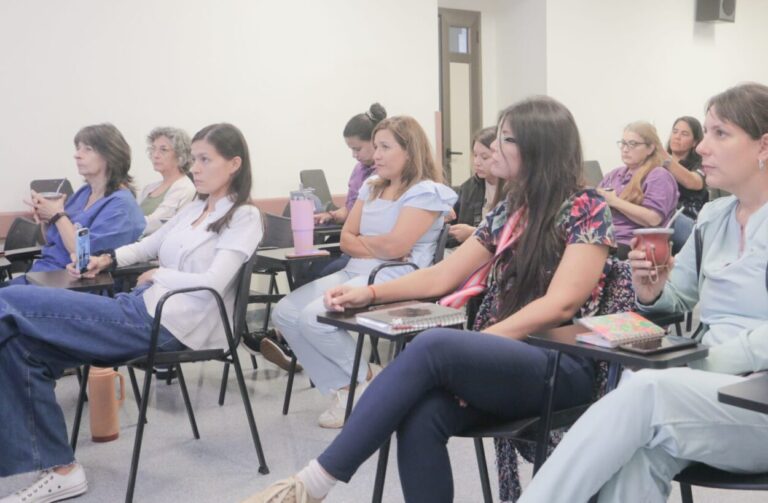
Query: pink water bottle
302, 220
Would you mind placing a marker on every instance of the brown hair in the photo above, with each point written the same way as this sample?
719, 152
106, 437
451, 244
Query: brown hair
551, 166
633, 192
419, 165
745, 105
107, 140
229, 142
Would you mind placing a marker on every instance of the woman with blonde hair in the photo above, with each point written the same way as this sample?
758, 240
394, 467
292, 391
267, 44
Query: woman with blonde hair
398, 215
641, 193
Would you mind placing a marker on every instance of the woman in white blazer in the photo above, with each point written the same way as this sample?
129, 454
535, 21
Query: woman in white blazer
169, 150
46, 330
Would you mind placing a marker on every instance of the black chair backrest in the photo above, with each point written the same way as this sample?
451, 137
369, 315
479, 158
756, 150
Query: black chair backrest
442, 239
592, 173
682, 227
277, 232
23, 233
52, 185
241, 297
315, 179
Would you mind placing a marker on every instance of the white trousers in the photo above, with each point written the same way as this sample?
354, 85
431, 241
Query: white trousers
327, 353
631, 443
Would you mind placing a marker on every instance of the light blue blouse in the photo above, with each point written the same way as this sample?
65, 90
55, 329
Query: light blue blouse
380, 215
731, 289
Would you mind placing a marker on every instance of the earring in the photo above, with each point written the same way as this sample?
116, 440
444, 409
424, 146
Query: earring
761, 165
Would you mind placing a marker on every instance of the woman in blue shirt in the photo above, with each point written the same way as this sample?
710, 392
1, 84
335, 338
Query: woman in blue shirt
105, 204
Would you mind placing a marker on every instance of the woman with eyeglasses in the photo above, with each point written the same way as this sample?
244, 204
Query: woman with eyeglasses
105, 204
170, 152
684, 163
642, 193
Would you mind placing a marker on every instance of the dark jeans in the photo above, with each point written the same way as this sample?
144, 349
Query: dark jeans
416, 397
42, 332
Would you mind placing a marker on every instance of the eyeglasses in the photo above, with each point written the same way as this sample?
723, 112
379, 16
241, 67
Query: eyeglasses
631, 144
162, 149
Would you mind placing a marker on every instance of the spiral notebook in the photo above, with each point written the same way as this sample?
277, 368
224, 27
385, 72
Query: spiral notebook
411, 318
612, 330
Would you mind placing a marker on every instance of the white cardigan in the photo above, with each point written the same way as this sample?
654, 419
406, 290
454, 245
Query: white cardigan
193, 256
178, 194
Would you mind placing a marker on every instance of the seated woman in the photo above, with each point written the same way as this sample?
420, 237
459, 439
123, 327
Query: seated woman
357, 135
641, 193
659, 421
541, 254
397, 216
684, 164
476, 195
205, 244
169, 151
105, 204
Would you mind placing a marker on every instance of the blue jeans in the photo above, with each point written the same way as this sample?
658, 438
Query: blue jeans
416, 396
42, 332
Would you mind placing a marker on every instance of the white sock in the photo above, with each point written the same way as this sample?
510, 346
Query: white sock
317, 481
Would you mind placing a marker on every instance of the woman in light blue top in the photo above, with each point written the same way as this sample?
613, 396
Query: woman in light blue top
398, 216
630, 445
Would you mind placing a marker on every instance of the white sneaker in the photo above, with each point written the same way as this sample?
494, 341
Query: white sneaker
334, 416
50, 487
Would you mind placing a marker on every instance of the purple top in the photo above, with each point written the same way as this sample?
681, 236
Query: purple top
356, 179
660, 189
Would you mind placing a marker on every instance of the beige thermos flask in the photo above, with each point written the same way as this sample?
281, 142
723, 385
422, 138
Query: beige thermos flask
104, 403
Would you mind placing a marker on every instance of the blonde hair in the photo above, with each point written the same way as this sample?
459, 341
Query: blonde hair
419, 164
633, 192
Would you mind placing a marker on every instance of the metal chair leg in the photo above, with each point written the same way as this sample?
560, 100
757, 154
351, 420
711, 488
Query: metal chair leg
187, 403
224, 379
485, 482
381, 472
139, 437
263, 469
135, 386
254, 363
686, 494
79, 410
289, 386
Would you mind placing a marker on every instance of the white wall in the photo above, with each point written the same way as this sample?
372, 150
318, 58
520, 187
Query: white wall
615, 62
289, 73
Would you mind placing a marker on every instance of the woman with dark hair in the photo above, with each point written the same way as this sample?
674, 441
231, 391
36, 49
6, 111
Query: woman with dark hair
684, 163
641, 193
105, 204
46, 330
477, 195
169, 150
357, 135
660, 421
397, 216
541, 254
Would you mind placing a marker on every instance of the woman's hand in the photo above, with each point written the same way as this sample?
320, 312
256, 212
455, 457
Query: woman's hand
46, 208
647, 280
609, 195
146, 277
461, 232
95, 266
324, 217
340, 297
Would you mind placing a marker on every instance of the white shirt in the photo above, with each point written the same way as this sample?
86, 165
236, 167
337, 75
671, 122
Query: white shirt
193, 256
178, 194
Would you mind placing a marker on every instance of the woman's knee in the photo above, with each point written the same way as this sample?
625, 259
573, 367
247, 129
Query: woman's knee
284, 313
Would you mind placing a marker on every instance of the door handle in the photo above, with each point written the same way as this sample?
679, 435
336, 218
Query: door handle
449, 152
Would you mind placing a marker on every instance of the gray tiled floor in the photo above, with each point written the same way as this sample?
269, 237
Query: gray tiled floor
221, 466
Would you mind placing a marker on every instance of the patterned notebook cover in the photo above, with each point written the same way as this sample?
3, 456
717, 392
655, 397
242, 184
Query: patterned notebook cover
622, 328
411, 318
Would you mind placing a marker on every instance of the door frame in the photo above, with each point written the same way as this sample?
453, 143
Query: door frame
471, 19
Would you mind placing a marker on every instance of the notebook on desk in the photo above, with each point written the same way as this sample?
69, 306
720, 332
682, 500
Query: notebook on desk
411, 318
613, 330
